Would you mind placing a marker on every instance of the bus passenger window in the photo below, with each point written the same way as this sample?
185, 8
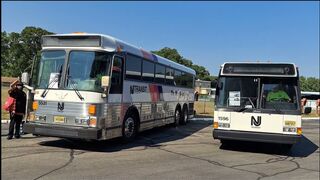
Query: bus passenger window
160, 72
177, 78
147, 71
133, 68
169, 76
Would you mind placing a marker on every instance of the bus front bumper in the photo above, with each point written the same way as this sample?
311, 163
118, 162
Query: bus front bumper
62, 131
255, 136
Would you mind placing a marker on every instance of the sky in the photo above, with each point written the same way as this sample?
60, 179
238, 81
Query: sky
208, 33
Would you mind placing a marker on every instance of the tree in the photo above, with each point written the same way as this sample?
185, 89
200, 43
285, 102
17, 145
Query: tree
19, 49
4, 51
309, 84
172, 54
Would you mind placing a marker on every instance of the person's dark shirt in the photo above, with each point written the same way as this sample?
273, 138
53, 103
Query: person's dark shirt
21, 99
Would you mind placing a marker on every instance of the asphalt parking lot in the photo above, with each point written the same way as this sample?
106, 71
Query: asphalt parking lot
185, 152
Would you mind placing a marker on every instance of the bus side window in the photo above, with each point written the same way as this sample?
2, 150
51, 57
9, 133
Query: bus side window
116, 79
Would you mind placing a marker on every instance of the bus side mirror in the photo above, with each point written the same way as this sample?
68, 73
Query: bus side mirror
307, 110
25, 78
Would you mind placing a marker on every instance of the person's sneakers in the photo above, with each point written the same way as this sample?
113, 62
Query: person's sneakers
9, 137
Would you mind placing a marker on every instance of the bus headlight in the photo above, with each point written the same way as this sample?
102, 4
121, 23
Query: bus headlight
40, 118
224, 125
88, 120
289, 129
31, 116
93, 121
82, 120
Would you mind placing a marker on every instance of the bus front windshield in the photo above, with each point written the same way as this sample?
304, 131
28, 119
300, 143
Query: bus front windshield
86, 68
50, 65
241, 93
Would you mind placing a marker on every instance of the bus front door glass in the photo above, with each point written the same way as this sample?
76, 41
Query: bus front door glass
116, 77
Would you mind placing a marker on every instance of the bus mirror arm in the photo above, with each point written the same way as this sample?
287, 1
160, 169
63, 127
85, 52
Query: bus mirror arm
29, 88
104, 94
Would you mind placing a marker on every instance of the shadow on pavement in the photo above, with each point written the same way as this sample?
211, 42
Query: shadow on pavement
150, 138
302, 149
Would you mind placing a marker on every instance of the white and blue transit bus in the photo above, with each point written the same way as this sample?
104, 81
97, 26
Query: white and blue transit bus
258, 102
93, 86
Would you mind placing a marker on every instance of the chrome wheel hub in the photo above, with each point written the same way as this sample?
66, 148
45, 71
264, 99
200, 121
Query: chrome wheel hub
185, 116
129, 127
177, 116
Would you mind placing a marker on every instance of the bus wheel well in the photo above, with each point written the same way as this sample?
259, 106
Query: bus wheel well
178, 107
133, 110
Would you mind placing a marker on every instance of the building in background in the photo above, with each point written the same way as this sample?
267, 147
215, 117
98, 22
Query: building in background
203, 90
311, 99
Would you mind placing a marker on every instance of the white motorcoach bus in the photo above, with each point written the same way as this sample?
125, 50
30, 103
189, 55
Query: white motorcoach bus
93, 86
258, 102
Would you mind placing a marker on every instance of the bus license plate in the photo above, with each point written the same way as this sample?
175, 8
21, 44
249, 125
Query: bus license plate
290, 123
59, 119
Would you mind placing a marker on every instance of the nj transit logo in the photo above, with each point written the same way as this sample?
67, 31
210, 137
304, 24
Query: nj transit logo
255, 122
60, 106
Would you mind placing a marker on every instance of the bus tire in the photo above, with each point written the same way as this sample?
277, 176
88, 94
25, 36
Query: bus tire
177, 116
129, 127
184, 116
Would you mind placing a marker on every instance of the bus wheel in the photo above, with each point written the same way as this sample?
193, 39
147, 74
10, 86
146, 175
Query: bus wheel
184, 118
177, 116
129, 127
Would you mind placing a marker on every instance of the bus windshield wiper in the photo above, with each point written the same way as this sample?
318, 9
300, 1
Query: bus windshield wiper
241, 109
52, 82
74, 88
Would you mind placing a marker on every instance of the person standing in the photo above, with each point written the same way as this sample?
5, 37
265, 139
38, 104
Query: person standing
18, 111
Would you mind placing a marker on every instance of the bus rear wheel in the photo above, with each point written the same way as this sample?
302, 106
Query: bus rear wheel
184, 117
129, 128
177, 117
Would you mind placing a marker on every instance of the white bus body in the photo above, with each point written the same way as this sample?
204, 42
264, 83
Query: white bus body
144, 90
247, 109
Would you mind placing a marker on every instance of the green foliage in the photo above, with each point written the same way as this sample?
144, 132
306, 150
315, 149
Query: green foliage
309, 84
19, 49
172, 54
